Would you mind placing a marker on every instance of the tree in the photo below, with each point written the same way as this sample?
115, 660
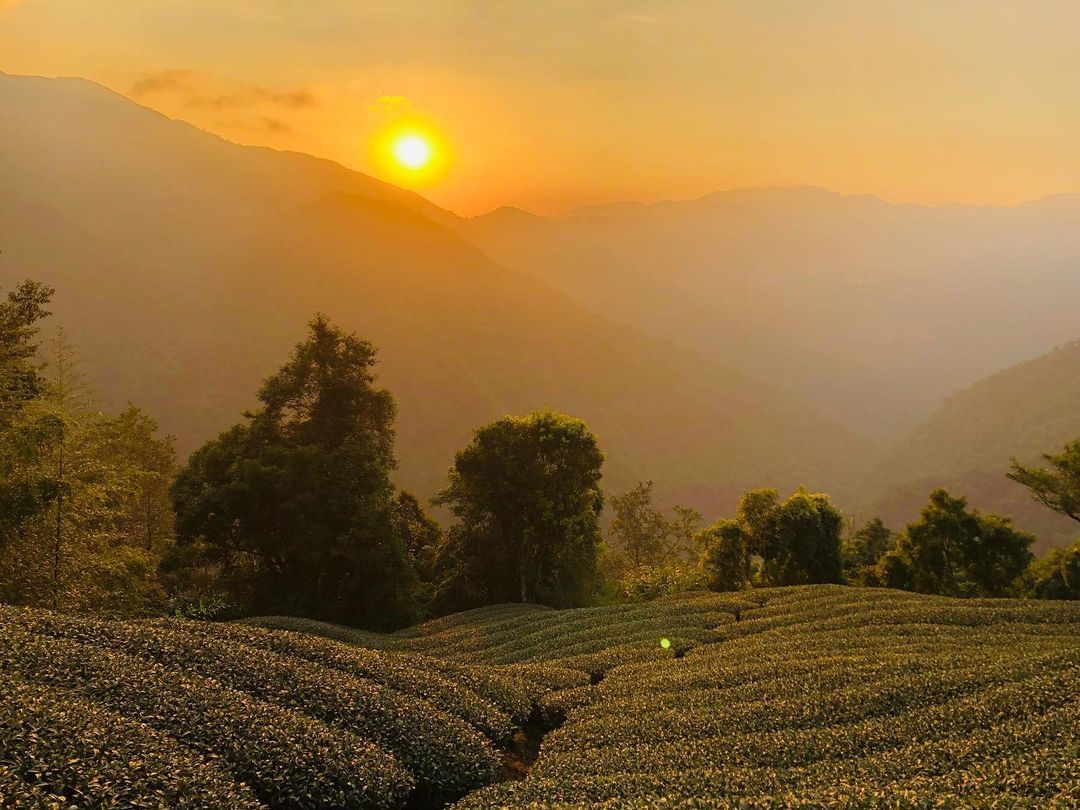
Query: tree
802, 545
526, 495
1056, 487
300, 495
682, 531
27, 430
954, 552
774, 542
143, 467
421, 536
863, 551
1057, 575
639, 531
88, 550
727, 556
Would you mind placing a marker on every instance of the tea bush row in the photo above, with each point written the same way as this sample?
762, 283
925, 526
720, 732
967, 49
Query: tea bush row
287, 758
446, 756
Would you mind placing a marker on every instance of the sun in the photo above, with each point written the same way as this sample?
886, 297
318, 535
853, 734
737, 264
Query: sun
412, 151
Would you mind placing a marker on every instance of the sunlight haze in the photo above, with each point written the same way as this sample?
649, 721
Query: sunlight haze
555, 105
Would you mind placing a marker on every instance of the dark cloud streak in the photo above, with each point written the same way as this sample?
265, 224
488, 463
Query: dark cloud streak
196, 90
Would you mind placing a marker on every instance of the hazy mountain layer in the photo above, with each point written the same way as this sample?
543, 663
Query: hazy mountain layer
187, 266
1022, 412
873, 311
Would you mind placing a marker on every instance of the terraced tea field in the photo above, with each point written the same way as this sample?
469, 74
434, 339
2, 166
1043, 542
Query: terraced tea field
807, 696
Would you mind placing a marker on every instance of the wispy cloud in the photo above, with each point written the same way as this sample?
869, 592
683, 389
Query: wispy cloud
391, 104
198, 90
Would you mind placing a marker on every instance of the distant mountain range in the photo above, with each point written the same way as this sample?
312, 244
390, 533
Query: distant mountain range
187, 266
874, 312
758, 337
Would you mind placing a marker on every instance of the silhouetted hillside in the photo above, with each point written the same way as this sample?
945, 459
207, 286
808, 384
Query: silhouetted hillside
187, 266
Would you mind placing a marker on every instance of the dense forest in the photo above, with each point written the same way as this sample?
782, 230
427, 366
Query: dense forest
294, 510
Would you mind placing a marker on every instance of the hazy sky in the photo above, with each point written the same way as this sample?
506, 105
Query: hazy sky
548, 105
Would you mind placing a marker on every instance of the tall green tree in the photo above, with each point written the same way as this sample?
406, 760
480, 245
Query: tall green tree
803, 541
27, 429
301, 496
638, 530
956, 552
727, 556
864, 549
774, 542
1057, 575
1056, 486
526, 496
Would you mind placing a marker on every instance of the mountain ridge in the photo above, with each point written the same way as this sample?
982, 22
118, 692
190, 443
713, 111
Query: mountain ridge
186, 267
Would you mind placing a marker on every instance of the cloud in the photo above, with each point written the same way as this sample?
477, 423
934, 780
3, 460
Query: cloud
391, 104
197, 90
276, 125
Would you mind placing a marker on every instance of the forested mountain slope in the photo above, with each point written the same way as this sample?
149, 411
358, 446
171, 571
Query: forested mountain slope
1024, 411
186, 268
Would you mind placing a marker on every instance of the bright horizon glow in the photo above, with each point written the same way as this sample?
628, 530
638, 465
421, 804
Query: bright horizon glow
552, 106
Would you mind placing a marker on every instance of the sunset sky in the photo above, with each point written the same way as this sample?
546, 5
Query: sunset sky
550, 105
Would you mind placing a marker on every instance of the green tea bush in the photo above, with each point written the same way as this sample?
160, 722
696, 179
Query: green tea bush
829, 696
287, 758
446, 756
808, 696
66, 747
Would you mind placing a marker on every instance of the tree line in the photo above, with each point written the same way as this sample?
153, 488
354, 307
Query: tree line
294, 510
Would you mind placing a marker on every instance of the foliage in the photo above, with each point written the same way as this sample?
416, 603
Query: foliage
83, 755
1058, 486
863, 551
95, 545
638, 530
526, 496
797, 695
644, 583
954, 552
649, 555
26, 431
285, 757
774, 542
727, 556
1057, 575
300, 496
422, 536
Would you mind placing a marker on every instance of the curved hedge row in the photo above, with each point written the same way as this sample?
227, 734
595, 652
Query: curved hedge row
79, 753
586, 638
793, 697
828, 696
287, 758
446, 756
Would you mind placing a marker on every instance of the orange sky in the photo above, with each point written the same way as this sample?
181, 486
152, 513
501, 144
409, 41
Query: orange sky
550, 105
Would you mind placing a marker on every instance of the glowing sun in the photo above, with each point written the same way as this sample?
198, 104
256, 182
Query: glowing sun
412, 151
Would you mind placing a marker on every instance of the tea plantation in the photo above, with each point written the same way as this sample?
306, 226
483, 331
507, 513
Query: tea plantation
808, 696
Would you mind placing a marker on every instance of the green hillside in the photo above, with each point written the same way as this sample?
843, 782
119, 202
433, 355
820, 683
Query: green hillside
1024, 411
809, 695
